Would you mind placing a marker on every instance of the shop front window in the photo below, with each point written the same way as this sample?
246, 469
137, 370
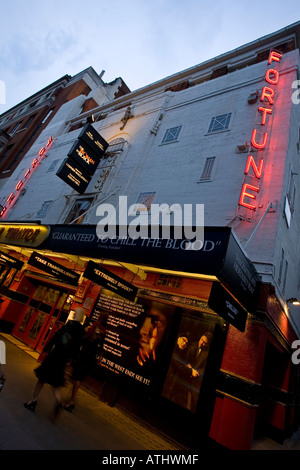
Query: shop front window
37, 325
25, 320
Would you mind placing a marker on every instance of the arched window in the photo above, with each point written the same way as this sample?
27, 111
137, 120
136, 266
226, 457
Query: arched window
116, 145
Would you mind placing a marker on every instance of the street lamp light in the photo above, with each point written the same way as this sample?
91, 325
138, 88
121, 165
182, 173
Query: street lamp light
293, 301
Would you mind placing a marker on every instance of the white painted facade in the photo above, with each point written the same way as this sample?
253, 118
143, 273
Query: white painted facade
173, 172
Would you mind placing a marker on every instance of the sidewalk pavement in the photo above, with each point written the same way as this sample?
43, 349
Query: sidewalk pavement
93, 425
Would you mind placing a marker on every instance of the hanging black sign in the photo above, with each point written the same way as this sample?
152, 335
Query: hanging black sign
10, 261
227, 307
55, 269
74, 175
93, 139
239, 274
99, 275
82, 154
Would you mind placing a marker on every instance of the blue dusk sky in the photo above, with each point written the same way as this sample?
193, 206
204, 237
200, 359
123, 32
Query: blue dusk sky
141, 41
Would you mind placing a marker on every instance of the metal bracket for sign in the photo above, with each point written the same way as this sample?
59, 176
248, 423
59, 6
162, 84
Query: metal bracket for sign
268, 209
136, 270
94, 205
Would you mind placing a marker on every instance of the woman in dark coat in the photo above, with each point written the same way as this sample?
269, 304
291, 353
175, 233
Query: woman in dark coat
62, 348
90, 350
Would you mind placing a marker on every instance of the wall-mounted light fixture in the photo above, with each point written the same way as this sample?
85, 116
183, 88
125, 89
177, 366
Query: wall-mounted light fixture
293, 301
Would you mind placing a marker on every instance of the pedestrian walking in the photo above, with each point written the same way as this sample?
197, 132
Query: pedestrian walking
90, 351
61, 349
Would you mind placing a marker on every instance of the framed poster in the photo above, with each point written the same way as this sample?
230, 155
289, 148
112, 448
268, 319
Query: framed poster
188, 362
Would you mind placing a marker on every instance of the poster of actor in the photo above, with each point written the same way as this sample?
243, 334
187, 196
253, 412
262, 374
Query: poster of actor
135, 339
185, 373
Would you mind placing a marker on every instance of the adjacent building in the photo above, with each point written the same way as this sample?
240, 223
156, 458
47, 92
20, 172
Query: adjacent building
85, 219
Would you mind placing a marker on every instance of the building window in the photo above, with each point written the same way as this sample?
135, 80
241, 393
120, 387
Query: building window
31, 118
78, 211
12, 132
208, 168
171, 135
285, 276
145, 200
281, 267
47, 115
116, 145
291, 192
169, 281
44, 208
219, 123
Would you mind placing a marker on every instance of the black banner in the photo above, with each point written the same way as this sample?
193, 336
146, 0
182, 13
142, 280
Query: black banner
87, 159
72, 174
55, 269
10, 261
239, 274
99, 275
227, 307
93, 139
220, 255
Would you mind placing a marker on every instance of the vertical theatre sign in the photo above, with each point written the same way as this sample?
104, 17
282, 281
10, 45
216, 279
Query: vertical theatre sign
13, 196
83, 158
259, 138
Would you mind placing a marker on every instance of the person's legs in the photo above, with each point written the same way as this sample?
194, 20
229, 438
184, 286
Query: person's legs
31, 404
75, 388
57, 395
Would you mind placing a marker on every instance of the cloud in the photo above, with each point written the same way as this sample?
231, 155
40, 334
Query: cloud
31, 53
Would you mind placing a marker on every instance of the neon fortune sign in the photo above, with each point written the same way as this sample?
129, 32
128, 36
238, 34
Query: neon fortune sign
259, 143
12, 198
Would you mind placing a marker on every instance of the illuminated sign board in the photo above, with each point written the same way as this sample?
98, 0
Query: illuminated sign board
23, 234
11, 261
13, 196
259, 137
74, 175
83, 159
93, 139
57, 270
109, 280
84, 156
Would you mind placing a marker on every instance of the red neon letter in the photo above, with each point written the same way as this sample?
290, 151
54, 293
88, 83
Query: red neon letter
251, 163
3, 211
245, 194
10, 198
19, 185
265, 111
270, 80
267, 93
50, 140
276, 56
255, 144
